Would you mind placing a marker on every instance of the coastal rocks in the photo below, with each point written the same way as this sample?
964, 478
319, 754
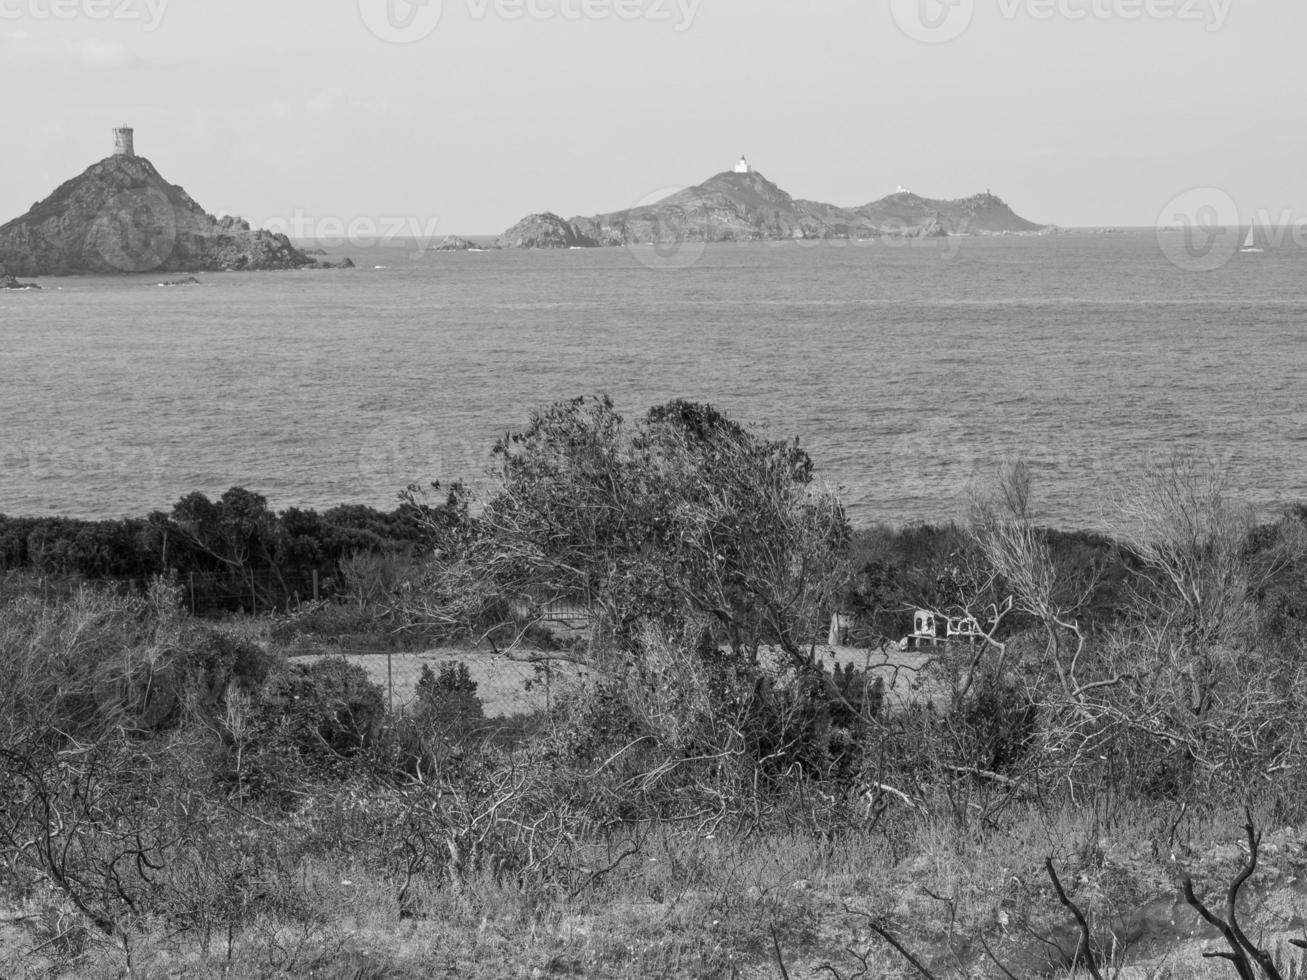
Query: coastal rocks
121, 216
10, 282
455, 243
545, 230
743, 206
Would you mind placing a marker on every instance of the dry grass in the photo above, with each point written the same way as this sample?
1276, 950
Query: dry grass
706, 906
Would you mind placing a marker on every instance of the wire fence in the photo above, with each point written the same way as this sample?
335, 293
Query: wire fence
510, 688
506, 688
254, 591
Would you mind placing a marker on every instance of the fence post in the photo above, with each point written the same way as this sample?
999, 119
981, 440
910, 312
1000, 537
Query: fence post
390, 682
315, 585
192, 577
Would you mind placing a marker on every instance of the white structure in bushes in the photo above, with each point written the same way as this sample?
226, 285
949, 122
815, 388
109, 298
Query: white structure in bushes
930, 626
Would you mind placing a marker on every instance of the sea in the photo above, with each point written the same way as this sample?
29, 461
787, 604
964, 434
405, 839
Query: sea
911, 371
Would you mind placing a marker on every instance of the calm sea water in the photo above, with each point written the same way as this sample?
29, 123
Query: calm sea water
909, 373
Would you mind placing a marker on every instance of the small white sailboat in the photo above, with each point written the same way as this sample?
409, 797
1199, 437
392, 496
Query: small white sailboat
1250, 243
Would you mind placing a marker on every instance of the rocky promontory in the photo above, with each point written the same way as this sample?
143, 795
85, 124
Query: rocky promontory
743, 205
545, 230
121, 216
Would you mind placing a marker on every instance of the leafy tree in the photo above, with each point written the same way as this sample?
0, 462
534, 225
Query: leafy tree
682, 518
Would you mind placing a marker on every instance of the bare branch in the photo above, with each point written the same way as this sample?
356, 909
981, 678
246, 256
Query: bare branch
1085, 951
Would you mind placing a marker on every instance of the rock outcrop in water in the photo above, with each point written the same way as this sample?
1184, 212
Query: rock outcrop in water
11, 282
746, 206
455, 243
122, 216
545, 230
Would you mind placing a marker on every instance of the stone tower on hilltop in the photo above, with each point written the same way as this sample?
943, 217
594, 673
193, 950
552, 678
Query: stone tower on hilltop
123, 145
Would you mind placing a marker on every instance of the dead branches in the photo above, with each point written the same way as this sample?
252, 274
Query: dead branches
1243, 953
1018, 552
1084, 953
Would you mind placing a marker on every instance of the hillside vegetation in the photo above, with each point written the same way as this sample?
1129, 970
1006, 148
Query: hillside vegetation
192, 797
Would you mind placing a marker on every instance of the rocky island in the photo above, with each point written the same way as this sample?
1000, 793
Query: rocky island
743, 205
456, 243
121, 216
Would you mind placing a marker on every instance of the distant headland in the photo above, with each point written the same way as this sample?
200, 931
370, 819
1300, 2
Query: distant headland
743, 205
121, 216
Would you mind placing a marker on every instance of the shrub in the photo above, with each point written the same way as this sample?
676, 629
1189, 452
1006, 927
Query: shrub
814, 723
996, 727
326, 709
448, 699
97, 660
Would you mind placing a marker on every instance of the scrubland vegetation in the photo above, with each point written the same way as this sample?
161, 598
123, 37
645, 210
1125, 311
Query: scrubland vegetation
182, 797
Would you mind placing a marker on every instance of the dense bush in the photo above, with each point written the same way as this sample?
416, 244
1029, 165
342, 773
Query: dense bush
98, 659
448, 700
327, 709
231, 553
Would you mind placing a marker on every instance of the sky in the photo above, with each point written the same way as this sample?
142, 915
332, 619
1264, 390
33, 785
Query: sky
463, 116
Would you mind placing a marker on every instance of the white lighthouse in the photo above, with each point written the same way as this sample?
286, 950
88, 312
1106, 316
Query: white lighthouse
743, 166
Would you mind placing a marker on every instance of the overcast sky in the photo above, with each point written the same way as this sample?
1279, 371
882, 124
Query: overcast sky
1077, 112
